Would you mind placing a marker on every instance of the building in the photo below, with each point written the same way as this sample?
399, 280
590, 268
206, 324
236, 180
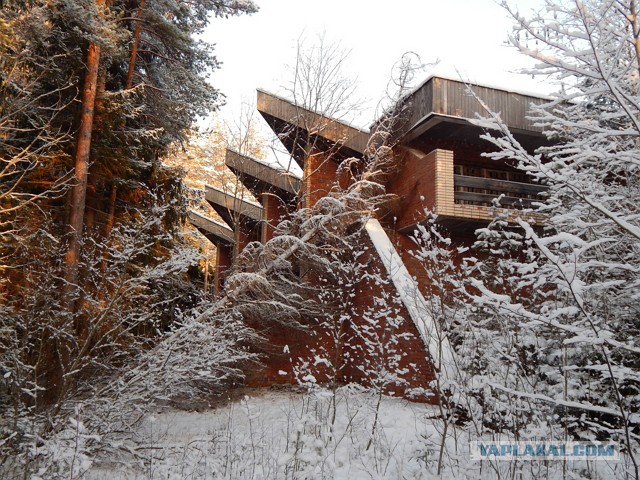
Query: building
438, 166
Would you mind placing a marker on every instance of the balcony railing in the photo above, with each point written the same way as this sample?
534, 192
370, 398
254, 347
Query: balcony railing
473, 190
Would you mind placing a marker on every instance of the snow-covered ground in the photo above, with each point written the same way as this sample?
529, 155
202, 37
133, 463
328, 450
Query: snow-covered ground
286, 434
283, 434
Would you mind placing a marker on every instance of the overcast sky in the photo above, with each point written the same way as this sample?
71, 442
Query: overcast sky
467, 36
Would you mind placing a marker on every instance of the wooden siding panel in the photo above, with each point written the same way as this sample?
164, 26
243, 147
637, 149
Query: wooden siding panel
441, 96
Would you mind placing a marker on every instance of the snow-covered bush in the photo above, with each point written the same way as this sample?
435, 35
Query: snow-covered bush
564, 294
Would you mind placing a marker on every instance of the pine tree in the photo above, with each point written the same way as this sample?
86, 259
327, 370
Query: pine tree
94, 269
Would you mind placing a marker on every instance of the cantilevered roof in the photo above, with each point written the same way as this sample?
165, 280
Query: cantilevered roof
441, 101
288, 119
214, 231
259, 176
228, 206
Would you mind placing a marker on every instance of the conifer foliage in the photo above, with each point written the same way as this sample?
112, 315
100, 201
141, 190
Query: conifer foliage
92, 95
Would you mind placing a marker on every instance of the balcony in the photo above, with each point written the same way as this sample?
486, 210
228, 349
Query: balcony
260, 177
477, 190
295, 125
232, 208
463, 197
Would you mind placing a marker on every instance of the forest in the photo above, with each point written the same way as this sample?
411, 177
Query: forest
118, 360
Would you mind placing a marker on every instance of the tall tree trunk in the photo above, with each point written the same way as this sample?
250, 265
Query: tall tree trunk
82, 157
134, 48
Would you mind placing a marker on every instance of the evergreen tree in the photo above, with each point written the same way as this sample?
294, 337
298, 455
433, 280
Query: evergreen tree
94, 270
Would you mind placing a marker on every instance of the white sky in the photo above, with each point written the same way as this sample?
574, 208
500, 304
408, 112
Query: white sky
467, 36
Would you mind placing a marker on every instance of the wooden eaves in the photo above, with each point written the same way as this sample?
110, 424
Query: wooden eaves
290, 121
230, 207
442, 106
260, 177
215, 232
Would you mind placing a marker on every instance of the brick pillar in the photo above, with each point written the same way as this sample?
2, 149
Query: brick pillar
319, 177
223, 263
242, 238
274, 211
423, 182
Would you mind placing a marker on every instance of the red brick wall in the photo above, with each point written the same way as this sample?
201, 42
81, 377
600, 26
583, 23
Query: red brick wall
246, 233
405, 245
224, 255
415, 177
419, 184
281, 349
414, 354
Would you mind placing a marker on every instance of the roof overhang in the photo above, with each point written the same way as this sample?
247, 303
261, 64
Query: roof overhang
445, 104
450, 128
231, 208
215, 232
294, 125
260, 177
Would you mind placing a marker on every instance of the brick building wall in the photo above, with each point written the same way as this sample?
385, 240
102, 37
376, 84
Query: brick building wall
350, 348
224, 256
433, 148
